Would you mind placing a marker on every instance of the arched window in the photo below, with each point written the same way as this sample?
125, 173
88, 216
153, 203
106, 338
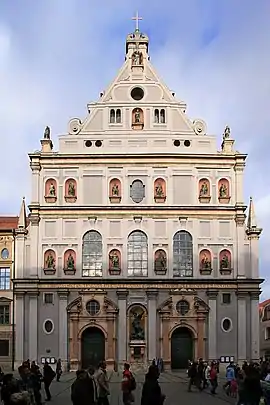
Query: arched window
137, 249
182, 254
162, 116
92, 254
118, 116
112, 116
156, 116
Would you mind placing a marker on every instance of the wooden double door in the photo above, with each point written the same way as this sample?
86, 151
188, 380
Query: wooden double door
92, 347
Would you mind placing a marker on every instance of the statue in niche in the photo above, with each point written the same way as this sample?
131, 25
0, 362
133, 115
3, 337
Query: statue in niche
70, 262
223, 191
52, 190
137, 116
204, 189
205, 263
224, 262
160, 261
115, 190
50, 261
159, 190
227, 132
71, 189
137, 331
47, 133
115, 262
136, 58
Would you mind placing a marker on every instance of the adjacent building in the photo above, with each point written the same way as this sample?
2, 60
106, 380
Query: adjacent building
8, 226
138, 245
264, 311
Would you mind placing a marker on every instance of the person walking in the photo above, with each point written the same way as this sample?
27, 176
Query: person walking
48, 376
128, 385
103, 384
151, 391
58, 370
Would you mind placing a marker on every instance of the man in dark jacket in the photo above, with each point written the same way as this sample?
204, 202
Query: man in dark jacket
83, 390
48, 376
151, 392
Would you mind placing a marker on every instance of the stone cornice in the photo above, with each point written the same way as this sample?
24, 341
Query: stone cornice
152, 294
122, 294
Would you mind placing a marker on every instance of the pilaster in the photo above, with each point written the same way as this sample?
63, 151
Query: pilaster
35, 166
255, 325
122, 326
240, 235
63, 327
152, 323
19, 322
33, 326
254, 237
34, 247
20, 252
242, 297
239, 182
212, 324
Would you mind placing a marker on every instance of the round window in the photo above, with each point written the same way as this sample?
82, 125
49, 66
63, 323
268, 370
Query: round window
176, 142
226, 325
5, 254
98, 144
182, 307
137, 93
48, 326
92, 307
187, 143
88, 144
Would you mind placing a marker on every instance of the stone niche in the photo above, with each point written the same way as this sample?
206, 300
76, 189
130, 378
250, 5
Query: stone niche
137, 119
205, 259
115, 262
204, 191
160, 190
49, 266
69, 262
225, 262
92, 325
70, 191
50, 191
183, 311
115, 192
224, 191
137, 330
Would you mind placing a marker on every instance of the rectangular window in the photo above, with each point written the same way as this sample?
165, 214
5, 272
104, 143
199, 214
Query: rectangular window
4, 348
4, 278
4, 315
48, 298
226, 298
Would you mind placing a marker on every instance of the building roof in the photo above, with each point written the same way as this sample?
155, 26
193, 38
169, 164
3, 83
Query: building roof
8, 223
263, 304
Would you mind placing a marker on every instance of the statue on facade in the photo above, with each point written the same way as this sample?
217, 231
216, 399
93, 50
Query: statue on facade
160, 261
205, 263
224, 262
115, 262
47, 133
136, 58
115, 190
223, 191
159, 190
204, 189
70, 262
137, 115
52, 190
71, 189
137, 332
227, 132
50, 261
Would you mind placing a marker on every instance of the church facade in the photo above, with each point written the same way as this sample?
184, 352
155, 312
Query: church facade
138, 245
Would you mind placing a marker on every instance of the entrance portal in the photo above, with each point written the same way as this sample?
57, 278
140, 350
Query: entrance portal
93, 347
182, 349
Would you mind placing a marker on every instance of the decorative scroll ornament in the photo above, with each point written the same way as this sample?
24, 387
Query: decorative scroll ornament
75, 126
199, 127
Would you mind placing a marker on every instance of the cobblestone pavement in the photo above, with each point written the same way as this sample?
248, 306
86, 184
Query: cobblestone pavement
174, 386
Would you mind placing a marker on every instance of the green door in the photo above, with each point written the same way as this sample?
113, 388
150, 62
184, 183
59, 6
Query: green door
181, 348
93, 347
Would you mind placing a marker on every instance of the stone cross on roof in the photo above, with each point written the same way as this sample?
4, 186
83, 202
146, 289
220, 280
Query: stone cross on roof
137, 19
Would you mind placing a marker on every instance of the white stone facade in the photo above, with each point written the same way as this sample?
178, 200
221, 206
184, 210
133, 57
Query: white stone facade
152, 141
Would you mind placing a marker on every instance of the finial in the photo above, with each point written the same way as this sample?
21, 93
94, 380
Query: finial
47, 133
137, 19
227, 132
23, 198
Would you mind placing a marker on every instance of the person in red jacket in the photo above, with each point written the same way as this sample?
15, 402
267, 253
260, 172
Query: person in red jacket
128, 385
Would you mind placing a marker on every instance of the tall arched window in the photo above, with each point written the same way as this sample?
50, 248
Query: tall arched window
182, 254
162, 116
112, 116
92, 254
156, 116
118, 116
137, 249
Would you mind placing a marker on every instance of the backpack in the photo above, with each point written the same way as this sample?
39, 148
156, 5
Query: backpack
133, 384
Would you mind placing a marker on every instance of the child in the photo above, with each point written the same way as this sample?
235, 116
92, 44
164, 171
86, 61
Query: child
233, 388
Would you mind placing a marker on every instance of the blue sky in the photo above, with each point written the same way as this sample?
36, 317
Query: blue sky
57, 55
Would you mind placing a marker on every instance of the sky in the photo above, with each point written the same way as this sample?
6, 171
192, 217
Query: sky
58, 55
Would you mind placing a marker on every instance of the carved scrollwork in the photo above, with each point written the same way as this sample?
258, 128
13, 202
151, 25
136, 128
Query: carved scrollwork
74, 127
199, 127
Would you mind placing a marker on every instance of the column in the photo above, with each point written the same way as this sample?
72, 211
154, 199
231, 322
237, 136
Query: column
239, 181
19, 328
212, 324
165, 350
200, 341
122, 326
63, 338
34, 247
35, 166
110, 353
255, 326
152, 324
242, 326
33, 326
74, 361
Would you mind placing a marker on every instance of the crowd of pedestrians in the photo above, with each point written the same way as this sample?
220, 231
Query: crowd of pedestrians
250, 384
26, 389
